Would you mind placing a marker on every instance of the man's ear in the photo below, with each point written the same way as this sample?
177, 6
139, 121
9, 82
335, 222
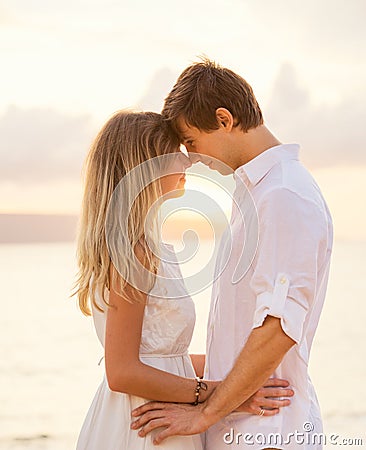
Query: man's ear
225, 118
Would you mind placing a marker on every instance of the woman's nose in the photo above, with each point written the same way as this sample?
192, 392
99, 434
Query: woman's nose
188, 162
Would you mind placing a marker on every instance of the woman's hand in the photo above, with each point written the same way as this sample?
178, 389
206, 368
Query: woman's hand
269, 398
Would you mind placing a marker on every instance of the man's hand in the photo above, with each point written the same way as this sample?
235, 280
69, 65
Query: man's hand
184, 419
178, 419
270, 398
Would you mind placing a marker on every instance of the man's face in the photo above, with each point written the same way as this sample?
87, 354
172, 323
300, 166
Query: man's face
208, 146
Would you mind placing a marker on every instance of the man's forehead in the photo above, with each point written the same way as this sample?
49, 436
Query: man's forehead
183, 128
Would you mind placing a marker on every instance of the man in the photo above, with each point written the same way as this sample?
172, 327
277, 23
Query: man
263, 321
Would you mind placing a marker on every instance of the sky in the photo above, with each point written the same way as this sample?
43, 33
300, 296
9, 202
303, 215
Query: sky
67, 66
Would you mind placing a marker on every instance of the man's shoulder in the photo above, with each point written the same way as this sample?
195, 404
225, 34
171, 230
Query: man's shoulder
292, 177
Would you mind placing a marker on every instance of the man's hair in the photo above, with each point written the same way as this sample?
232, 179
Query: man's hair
205, 86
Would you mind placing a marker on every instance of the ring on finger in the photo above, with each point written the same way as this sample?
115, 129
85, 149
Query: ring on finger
261, 412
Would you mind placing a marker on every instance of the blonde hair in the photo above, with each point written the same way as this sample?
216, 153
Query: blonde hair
125, 142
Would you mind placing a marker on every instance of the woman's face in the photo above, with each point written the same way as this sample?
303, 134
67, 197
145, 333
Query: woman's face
172, 185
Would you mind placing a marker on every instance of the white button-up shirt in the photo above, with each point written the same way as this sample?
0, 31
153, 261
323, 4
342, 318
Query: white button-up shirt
283, 224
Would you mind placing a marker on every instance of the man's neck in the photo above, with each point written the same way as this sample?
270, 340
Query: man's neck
253, 143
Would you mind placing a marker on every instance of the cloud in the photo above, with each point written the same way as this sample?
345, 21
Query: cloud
5, 17
160, 85
327, 28
42, 145
330, 134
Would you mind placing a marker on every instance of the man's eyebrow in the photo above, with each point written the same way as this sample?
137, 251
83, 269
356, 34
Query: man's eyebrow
185, 138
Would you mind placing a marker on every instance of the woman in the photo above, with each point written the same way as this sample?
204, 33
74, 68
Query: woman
142, 312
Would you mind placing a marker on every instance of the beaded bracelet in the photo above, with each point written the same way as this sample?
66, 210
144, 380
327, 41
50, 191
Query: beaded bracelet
200, 385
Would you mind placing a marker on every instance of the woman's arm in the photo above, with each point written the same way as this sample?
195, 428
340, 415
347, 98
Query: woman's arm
125, 372
198, 362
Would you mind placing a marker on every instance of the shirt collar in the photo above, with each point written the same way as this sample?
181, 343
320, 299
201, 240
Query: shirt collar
258, 167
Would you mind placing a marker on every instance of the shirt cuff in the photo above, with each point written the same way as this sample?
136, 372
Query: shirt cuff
279, 304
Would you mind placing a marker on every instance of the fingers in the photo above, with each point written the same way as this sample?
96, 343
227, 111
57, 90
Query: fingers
146, 417
152, 425
274, 392
270, 412
269, 399
270, 406
273, 382
160, 437
273, 397
147, 407
268, 403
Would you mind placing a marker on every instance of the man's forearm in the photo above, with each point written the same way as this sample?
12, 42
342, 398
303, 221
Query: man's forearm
263, 352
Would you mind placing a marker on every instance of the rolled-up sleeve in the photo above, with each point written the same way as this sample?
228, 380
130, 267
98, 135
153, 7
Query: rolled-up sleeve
286, 263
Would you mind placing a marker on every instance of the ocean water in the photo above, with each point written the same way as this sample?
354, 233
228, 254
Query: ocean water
49, 352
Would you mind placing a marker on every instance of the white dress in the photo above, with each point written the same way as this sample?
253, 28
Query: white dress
166, 334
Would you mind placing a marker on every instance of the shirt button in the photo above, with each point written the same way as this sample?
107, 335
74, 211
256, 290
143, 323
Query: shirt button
283, 280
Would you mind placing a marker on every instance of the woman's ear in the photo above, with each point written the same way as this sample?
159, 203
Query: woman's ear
225, 119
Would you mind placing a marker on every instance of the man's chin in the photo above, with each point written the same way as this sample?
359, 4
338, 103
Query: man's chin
222, 169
